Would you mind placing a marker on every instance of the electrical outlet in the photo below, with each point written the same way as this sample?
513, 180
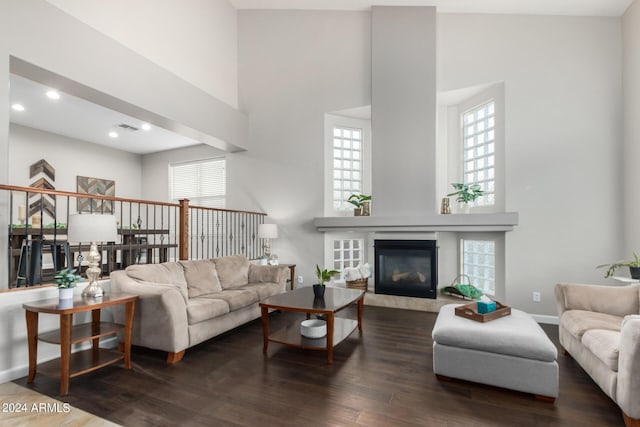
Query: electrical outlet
300, 280
536, 297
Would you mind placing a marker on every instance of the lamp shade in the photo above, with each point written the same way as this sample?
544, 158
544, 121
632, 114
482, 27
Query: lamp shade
92, 228
268, 231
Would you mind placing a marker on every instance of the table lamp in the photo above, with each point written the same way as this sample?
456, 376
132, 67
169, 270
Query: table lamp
267, 231
92, 228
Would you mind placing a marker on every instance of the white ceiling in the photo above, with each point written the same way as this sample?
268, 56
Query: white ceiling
80, 119
520, 7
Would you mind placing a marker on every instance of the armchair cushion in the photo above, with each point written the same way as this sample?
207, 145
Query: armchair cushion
603, 299
605, 345
201, 277
577, 322
233, 271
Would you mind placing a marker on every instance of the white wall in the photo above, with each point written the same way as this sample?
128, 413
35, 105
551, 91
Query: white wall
195, 39
563, 139
70, 158
155, 168
631, 85
294, 66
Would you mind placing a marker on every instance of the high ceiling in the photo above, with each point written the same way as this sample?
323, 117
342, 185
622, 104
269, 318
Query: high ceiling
520, 7
80, 119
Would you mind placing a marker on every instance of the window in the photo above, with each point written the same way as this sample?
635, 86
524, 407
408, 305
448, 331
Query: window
347, 161
478, 262
479, 151
203, 182
347, 165
347, 253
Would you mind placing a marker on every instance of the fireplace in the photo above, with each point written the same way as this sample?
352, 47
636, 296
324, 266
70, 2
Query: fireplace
406, 268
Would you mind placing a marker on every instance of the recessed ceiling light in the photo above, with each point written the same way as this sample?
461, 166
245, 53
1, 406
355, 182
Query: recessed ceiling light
113, 134
146, 126
52, 94
18, 107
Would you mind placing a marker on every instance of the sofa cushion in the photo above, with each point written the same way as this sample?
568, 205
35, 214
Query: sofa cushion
201, 309
265, 273
233, 271
201, 277
605, 345
264, 290
577, 322
236, 298
167, 273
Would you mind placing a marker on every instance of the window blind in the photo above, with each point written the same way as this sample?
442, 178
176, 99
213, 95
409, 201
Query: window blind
203, 182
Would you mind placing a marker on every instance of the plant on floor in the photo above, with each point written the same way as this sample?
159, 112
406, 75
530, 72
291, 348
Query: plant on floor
634, 267
466, 193
67, 278
324, 275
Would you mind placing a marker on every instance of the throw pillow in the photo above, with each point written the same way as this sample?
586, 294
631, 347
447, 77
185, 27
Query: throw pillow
202, 277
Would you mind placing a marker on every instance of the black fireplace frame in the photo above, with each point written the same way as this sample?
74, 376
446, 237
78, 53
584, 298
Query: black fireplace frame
429, 290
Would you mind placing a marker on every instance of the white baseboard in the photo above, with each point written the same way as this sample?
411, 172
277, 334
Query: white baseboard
21, 371
543, 318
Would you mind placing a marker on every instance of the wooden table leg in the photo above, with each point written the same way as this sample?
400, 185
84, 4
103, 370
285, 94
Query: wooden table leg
265, 329
360, 309
292, 271
330, 322
32, 339
128, 329
65, 351
95, 327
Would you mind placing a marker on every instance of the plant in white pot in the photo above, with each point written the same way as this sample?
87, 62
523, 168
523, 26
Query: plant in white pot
465, 194
362, 203
66, 280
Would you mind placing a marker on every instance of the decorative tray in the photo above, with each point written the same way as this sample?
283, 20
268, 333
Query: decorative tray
470, 311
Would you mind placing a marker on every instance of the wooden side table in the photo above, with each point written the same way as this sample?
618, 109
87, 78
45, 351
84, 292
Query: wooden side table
292, 273
79, 363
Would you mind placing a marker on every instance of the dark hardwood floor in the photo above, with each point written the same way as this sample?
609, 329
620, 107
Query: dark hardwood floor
383, 377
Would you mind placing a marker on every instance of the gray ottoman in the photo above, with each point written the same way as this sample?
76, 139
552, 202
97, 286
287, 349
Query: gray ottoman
511, 352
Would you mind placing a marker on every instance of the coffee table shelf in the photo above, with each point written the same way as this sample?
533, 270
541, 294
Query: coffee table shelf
291, 335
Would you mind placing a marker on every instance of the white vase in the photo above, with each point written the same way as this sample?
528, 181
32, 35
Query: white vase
65, 293
463, 208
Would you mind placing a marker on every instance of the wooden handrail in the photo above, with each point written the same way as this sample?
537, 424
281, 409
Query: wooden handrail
117, 199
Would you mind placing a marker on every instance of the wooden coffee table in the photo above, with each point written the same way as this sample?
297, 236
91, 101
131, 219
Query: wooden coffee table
302, 300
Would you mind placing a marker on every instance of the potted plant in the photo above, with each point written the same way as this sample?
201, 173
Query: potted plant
362, 204
634, 267
323, 276
466, 194
66, 280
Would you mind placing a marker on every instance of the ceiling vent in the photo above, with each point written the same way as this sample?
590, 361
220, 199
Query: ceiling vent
127, 127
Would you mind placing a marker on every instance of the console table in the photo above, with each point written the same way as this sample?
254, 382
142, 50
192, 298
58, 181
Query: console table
79, 363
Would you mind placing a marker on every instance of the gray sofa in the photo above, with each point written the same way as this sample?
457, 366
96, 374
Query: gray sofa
600, 329
184, 303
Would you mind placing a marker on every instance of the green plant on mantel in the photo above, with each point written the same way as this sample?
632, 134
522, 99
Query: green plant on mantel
324, 275
466, 193
633, 265
358, 199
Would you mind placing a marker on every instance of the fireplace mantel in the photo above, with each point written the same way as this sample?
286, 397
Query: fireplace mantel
477, 222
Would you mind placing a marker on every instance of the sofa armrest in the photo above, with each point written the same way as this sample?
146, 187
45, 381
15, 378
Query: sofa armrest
629, 367
160, 320
268, 274
615, 300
